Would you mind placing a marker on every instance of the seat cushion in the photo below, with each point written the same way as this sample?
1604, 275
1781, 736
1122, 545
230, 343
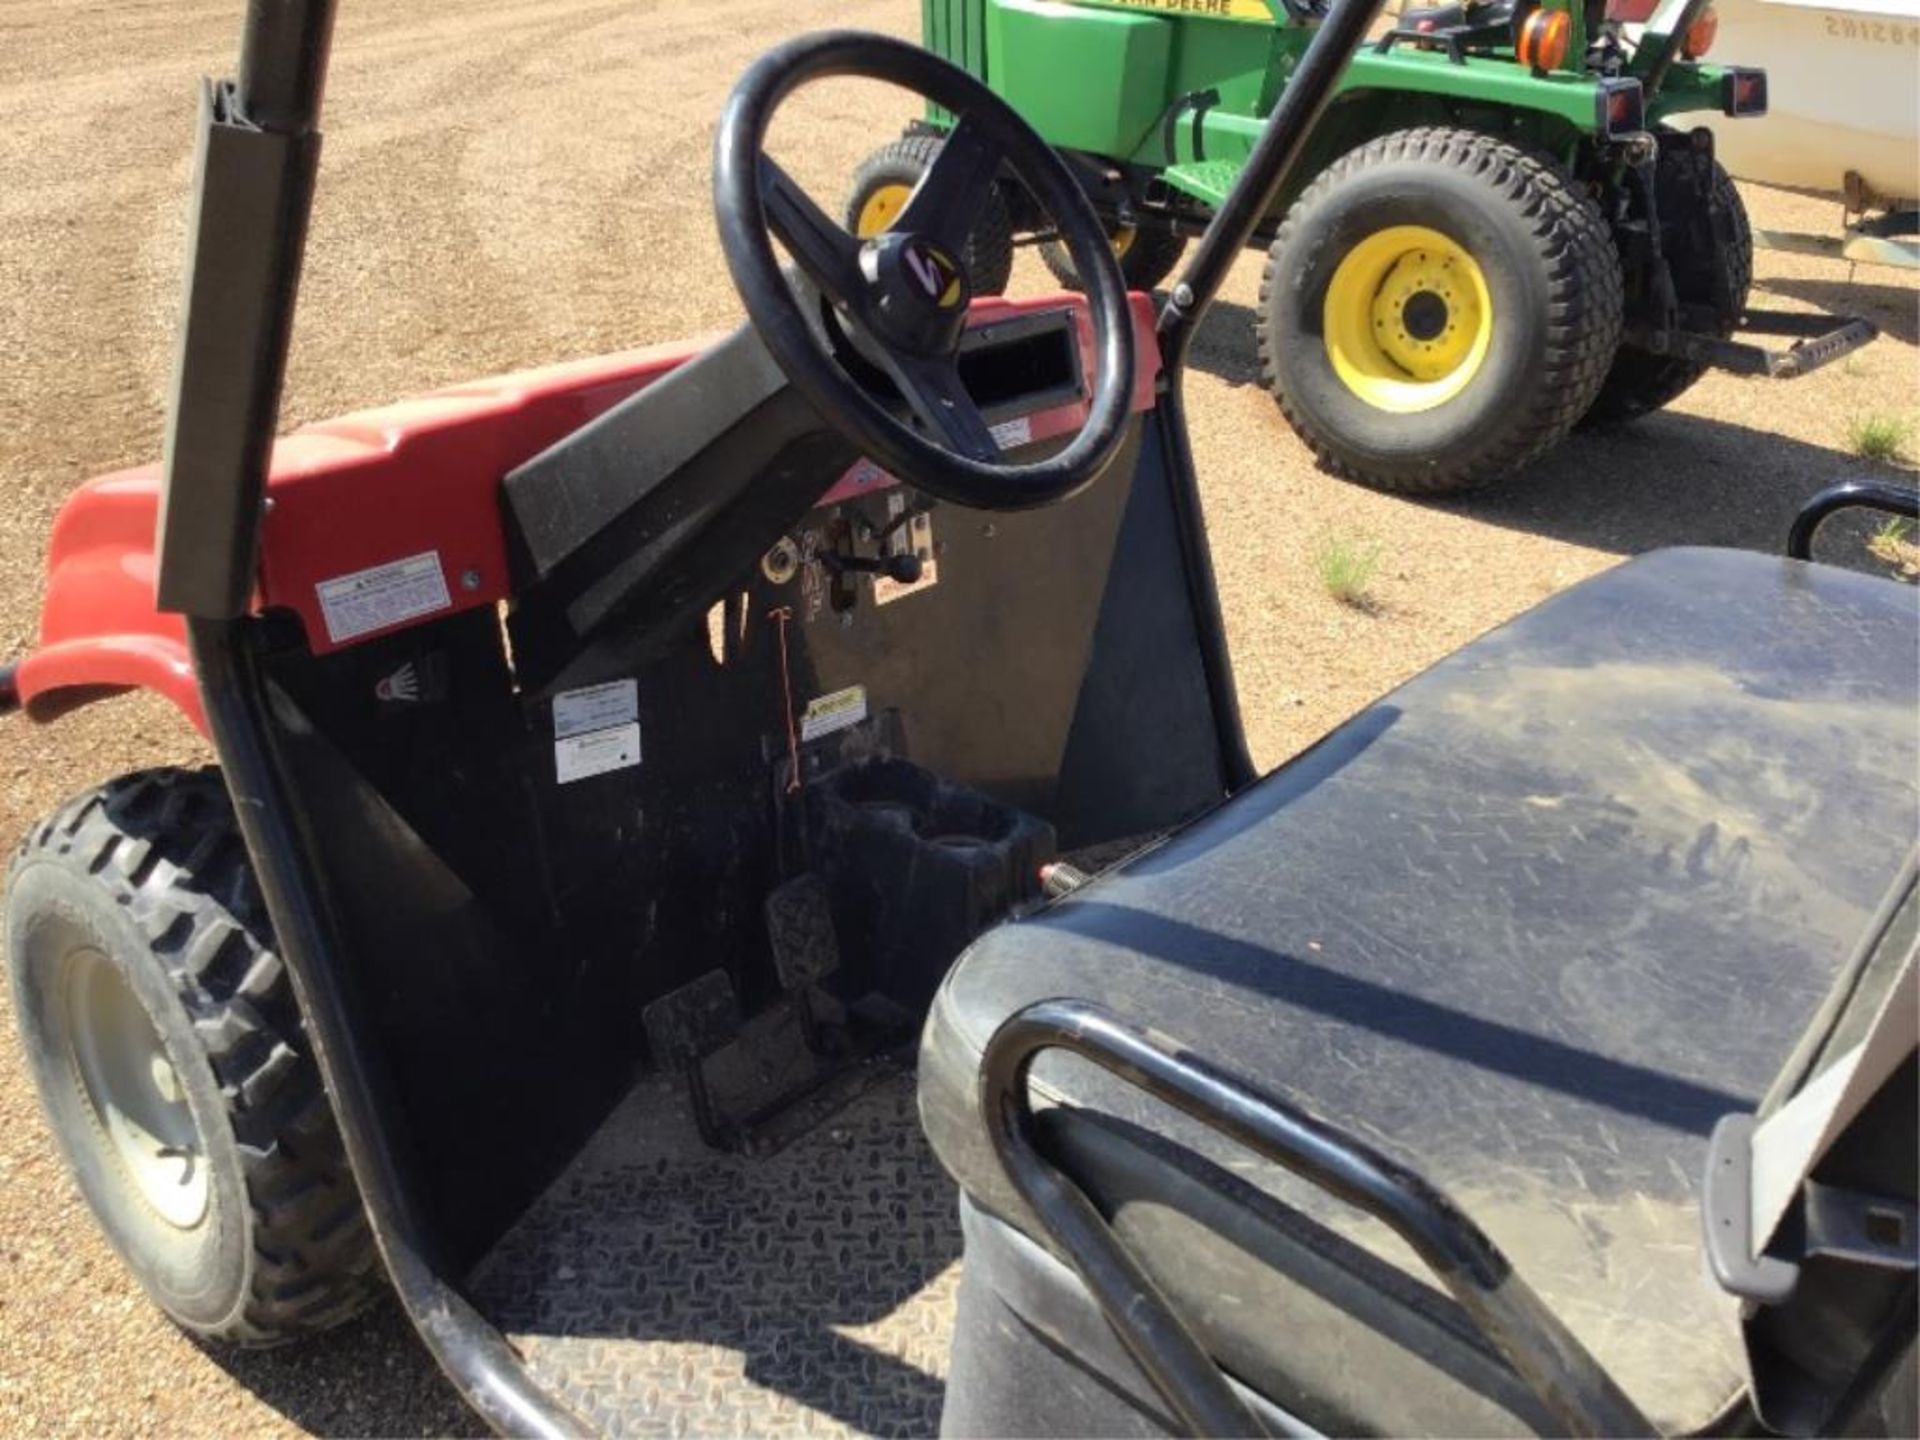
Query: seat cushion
1530, 924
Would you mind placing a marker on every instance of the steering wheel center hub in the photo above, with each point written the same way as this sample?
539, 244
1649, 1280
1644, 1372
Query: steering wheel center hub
920, 292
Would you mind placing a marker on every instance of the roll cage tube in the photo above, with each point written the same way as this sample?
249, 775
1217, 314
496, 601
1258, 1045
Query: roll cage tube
259, 144
1278, 153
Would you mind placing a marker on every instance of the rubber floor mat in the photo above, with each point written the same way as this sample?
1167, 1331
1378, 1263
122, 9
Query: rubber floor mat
663, 1288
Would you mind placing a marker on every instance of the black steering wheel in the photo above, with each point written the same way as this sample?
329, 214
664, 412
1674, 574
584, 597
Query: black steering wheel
903, 294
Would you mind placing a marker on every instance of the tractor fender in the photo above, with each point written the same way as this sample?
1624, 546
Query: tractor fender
100, 632
1571, 100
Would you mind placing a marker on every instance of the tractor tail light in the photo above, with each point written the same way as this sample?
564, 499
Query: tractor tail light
1622, 107
1699, 37
1743, 92
1543, 40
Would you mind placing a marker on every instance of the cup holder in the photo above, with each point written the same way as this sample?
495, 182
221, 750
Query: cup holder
917, 867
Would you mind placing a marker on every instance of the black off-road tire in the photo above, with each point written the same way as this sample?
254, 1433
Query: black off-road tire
988, 258
1150, 259
147, 875
1553, 277
1639, 382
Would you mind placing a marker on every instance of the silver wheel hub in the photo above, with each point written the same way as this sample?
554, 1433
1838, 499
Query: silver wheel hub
138, 1101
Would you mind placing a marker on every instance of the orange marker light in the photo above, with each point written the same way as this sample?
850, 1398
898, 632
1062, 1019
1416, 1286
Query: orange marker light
1700, 34
1544, 38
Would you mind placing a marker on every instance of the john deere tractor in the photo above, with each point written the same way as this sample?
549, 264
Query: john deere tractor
1504, 227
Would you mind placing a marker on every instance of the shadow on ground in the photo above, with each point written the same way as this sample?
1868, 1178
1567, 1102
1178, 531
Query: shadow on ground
1890, 307
370, 1377
1668, 479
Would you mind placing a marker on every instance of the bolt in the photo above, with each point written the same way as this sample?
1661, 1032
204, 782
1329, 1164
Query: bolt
469, 579
166, 1080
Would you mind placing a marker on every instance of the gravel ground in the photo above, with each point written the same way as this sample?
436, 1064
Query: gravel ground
509, 182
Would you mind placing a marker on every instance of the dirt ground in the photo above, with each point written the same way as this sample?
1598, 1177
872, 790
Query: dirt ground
510, 182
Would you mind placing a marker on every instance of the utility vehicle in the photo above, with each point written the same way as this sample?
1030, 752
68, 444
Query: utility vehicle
1508, 223
704, 837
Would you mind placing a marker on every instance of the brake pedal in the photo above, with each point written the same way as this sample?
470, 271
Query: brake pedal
683, 1028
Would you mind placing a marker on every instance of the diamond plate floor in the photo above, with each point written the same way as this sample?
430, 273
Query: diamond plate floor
662, 1288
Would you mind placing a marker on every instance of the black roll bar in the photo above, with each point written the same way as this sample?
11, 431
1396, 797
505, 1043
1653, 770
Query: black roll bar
254, 173
1848, 495
1275, 157
476, 1358
1531, 1338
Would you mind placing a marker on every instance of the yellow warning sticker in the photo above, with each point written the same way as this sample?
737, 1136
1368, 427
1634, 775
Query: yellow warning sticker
828, 713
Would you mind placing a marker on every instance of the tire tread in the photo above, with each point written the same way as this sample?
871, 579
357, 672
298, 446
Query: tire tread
1584, 308
165, 845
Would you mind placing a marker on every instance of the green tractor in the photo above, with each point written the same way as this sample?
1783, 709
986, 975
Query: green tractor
1504, 227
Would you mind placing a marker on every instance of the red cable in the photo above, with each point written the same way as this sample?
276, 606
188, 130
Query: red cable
781, 615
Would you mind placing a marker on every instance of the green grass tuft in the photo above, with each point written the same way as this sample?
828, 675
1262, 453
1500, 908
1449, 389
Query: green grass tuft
1893, 546
1346, 565
1879, 436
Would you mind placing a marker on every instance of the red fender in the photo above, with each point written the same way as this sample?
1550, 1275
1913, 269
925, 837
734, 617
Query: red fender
420, 477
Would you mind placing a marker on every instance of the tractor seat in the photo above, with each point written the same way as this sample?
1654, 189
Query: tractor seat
1530, 924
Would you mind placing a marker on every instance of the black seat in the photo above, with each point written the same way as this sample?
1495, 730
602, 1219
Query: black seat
1531, 924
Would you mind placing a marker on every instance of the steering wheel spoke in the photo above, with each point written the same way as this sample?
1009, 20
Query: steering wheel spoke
933, 388
829, 255
948, 198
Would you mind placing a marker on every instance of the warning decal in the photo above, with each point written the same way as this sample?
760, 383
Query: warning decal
368, 600
596, 730
837, 711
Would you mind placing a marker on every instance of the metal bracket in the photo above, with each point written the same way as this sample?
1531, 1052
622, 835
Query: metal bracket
1836, 1223
1726, 1216
1871, 1230
1819, 340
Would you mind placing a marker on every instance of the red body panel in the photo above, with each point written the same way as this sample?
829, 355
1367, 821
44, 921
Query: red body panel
345, 495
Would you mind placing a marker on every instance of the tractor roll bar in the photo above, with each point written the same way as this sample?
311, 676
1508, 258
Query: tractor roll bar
1541, 1350
1848, 495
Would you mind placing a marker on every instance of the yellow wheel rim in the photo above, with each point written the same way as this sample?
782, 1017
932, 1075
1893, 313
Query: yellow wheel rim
1407, 319
880, 209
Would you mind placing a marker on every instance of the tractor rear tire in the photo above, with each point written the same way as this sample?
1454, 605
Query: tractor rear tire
885, 179
1146, 258
1640, 382
164, 1037
1438, 309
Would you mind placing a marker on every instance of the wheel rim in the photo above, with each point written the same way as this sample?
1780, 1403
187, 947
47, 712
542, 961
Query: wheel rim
1407, 319
138, 1102
880, 208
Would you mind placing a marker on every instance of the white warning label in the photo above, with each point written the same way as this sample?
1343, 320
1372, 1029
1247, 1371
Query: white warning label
828, 713
1010, 433
597, 752
596, 729
596, 707
368, 600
